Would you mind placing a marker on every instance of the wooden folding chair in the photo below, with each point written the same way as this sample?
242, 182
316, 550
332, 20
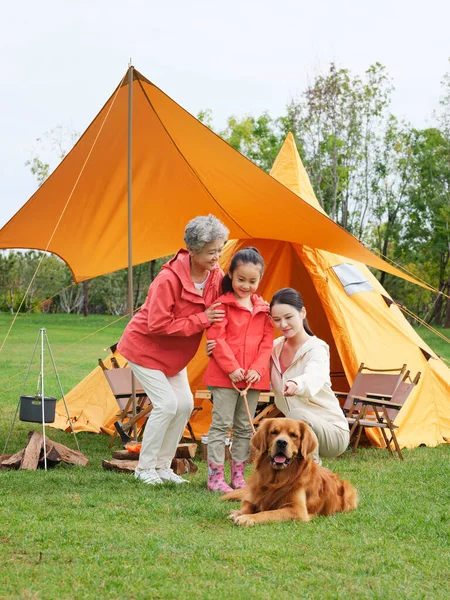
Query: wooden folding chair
119, 380
265, 408
378, 381
195, 410
368, 380
385, 408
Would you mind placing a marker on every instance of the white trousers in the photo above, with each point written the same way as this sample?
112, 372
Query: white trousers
172, 406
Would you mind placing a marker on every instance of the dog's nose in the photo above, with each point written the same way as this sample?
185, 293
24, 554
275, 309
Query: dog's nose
282, 444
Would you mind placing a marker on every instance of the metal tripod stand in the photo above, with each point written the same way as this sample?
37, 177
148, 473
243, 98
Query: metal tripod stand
41, 338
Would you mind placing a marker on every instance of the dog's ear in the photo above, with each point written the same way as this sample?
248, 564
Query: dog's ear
259, 440
308, 439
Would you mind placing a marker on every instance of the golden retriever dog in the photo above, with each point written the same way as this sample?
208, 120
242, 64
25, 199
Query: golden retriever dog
287, 485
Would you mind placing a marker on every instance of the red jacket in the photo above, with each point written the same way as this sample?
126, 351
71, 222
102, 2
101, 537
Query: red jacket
166, 332
244, 339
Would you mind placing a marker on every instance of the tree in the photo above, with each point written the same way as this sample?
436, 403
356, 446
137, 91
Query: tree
8, 275
442, 115
17, 270
389, 181
53, 146
338, 123
259, 139
443, 119
428, 223
324, 123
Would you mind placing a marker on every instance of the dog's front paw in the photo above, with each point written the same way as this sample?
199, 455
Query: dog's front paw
244, 520
234, 514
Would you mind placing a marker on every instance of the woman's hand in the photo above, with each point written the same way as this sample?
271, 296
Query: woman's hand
290, 389
210, 345
214, 314
252, 376
237, 375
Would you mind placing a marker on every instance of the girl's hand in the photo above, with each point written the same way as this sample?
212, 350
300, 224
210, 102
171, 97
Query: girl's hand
237, 375
214, 314
290, 389
252, 376
210, 345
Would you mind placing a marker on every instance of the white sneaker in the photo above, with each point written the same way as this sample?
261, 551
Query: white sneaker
168, 476
149, 476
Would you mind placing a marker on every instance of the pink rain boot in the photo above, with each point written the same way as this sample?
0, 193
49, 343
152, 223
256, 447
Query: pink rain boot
237, 475
216, 482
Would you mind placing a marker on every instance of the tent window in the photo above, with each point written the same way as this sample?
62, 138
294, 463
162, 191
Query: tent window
352, 279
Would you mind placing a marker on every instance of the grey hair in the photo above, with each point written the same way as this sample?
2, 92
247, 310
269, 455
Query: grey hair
203, 230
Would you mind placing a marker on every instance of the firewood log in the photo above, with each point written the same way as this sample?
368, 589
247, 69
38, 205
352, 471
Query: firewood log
32, 451
122, 466
13, 462
71, 457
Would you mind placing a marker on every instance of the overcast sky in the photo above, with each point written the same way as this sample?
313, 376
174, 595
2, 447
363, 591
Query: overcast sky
61, 59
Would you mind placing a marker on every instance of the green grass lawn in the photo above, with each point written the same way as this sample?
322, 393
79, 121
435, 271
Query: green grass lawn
87, 533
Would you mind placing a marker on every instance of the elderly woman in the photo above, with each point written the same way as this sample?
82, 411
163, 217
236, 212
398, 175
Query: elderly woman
165, 334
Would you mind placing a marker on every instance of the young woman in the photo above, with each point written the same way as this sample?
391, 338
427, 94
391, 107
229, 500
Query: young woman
241, 357
163, 337
300, 375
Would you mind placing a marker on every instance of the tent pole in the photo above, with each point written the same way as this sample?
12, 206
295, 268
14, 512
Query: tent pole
130, 222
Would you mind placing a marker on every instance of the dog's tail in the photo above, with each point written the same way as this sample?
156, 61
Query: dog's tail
238, 494
349, 496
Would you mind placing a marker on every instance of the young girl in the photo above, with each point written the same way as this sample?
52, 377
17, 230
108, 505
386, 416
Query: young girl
241, 356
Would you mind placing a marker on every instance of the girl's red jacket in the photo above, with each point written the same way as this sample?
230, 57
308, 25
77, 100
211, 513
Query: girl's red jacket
244, 339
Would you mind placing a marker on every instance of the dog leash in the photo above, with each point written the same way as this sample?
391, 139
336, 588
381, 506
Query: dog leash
287, 403
243, 394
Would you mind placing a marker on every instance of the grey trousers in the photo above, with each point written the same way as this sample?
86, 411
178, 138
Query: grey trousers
229, 411
332, 440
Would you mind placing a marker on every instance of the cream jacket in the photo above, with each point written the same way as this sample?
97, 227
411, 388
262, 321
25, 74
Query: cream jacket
310, 370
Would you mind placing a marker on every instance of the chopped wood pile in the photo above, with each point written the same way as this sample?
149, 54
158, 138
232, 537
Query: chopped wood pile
32, 456
125, 461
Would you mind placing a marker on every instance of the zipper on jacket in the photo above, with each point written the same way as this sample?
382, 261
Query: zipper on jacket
252, 315
291, 365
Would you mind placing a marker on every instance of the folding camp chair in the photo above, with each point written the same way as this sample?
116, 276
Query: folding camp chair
265, 408
119, 380
378, 381
367, 380
385, 408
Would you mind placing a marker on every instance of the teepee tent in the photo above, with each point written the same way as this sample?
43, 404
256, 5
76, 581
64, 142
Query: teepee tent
347, 307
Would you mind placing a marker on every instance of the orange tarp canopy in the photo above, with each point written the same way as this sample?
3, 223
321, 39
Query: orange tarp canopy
180, 169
